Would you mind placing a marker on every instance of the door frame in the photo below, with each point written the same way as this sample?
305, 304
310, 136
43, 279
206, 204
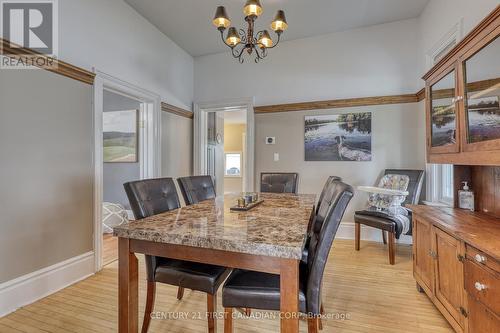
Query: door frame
200, 138
149, 142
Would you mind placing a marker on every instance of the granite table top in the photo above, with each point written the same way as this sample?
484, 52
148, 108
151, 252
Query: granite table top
275, 228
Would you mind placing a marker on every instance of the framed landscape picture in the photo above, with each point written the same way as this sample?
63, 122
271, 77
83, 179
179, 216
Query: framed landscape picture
483, 117
120, 136
340, 137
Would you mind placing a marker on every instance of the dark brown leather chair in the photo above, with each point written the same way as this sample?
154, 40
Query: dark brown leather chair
383, 221
195, 189
279, 182
317, 220
257, 290
155, 196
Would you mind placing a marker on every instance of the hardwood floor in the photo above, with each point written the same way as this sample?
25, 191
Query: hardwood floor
375, 297
109, 248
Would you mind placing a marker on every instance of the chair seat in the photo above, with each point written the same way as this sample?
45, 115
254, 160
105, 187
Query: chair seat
191, 275
257, 290
379, 220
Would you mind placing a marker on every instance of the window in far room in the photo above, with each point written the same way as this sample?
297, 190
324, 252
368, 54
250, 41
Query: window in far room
232, 164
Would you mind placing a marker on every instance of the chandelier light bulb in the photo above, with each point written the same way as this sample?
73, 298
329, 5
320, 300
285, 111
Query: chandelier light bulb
233, 38
252, 8
265, 40
279, 23
221, 19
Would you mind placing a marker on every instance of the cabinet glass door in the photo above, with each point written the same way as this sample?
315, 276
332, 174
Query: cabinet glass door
482, 95
443, 115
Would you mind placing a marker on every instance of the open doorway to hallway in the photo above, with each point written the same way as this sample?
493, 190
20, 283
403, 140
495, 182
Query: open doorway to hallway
121, 164
226, 149
235, 125
224, 144
126, 148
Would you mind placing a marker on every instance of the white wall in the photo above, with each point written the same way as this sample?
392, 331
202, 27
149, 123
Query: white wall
177, 141
110, 36
373, 61
439, 16
46, 172
398, 141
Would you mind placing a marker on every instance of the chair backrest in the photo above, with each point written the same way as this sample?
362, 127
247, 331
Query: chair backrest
152, 196
325, 189
195, 189
322, 206
279, 182
415, 185
321, 243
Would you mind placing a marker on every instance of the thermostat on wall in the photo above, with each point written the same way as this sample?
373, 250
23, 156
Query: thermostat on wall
270, 140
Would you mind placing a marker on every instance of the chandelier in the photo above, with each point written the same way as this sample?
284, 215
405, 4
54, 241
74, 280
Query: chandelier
241, 41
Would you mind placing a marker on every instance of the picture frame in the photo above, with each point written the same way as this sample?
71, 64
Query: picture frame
338, 137
121, 136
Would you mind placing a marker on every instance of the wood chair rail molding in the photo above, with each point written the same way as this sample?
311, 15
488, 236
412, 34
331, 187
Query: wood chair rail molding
339, 103
176, 110
377, 100
60, 67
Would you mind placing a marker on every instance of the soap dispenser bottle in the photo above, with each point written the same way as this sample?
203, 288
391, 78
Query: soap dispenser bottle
466, 198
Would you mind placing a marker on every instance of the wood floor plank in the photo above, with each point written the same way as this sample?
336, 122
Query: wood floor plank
376, 296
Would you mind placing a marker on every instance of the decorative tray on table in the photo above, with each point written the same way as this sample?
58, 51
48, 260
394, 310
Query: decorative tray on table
247, 207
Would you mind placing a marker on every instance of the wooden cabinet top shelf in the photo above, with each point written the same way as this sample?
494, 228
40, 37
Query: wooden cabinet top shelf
476, 229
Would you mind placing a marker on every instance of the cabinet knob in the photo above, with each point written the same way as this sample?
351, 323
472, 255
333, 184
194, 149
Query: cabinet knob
480, 259
479, 286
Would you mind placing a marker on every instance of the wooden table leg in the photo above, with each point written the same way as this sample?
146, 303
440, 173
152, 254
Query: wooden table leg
289, 295
128, 286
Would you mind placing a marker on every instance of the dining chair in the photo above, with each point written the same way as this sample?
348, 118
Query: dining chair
156, 196
256, 290
279, 182
316, 220
389, 223
325, 190
195, 189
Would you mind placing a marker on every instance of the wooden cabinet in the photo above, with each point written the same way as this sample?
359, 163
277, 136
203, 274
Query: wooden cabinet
442, 120
422, 254
449, 274
438, 270
482, 283
480, 116
456, 261
482, 320
462, 99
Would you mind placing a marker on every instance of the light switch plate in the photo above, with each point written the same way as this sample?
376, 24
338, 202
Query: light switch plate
270, 140
276, 157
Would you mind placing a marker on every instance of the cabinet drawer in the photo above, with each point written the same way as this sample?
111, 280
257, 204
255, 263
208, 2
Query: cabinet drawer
482, 320
482, 259
483, 284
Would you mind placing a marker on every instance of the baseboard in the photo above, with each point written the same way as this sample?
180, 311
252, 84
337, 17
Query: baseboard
31, 287
346, 231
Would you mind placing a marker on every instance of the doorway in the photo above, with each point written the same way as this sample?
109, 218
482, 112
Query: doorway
235, 124
127, 147
224, 144
122, 163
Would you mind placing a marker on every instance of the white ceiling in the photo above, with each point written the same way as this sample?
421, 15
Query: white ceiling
189, 22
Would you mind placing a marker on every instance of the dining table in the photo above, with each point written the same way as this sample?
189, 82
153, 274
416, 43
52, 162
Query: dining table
268, 238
